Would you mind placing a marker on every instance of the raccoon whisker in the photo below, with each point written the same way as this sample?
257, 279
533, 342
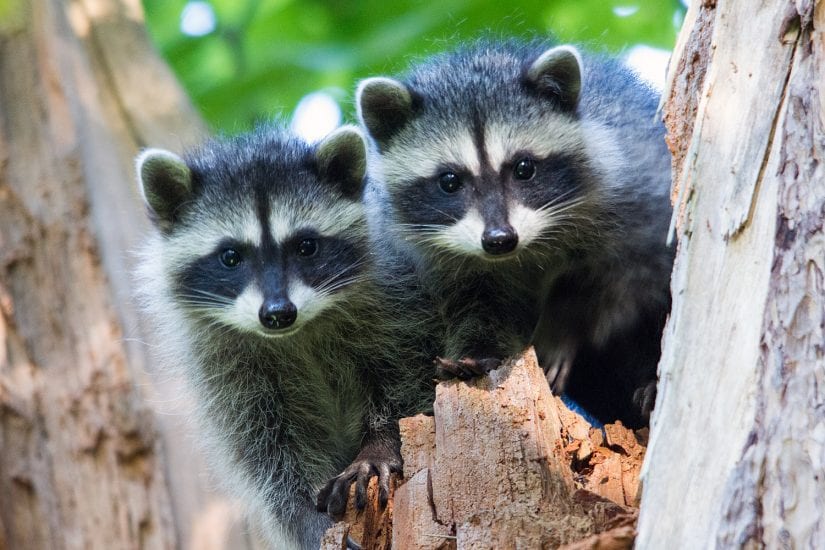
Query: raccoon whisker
358, 262
198, 302
429, 239
416, 232
410, 233
565, 222
215, 323
206, 299
551, 210
216, 297
559, 200
559, 226
335, 277
332, 287
565, 208
340, 278
433, 208
420, 226
562, 233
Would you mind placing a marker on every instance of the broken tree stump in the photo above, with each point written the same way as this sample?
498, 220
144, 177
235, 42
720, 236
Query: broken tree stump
503, 463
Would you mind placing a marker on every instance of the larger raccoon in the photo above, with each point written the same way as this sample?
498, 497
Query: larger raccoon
267, 294
532, 184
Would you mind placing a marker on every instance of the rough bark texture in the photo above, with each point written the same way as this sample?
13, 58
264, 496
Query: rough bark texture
504, 464
81, 460
740, 397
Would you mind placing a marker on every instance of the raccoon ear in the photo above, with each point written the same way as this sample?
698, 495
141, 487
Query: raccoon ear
558, 72
342, 160
384, 106
165, 182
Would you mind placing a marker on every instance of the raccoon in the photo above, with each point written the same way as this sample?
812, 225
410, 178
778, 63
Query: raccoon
268, 295
531, 183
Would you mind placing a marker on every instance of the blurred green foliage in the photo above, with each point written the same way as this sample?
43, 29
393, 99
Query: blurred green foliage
263, 56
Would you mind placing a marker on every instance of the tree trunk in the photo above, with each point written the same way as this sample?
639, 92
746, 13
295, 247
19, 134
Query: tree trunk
81, 460
738, 439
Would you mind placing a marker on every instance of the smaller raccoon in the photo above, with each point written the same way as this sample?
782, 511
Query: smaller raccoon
532, 185
266, 292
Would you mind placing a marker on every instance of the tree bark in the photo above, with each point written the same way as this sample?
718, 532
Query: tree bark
82, 464
740, 400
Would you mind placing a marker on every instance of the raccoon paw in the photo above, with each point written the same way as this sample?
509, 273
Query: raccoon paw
332, 499
645, 398
465, 368
557, 365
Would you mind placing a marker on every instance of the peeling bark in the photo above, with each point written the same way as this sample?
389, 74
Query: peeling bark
684, 90
740, 406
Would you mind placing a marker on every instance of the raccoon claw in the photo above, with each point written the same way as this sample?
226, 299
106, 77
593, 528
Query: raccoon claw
557, 367
645, 398
465, 368
332, 499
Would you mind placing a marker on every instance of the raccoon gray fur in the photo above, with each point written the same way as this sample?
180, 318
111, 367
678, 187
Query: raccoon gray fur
531, 184
268, 294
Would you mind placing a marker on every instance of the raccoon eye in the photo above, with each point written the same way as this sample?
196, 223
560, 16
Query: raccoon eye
449, 182
307, 247
230, 257
524, 170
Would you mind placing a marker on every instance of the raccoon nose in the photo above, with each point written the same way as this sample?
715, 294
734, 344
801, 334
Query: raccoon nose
499, 240
277, 314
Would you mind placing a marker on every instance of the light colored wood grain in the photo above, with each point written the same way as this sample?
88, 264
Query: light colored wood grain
736, 444
499, 431
504, 464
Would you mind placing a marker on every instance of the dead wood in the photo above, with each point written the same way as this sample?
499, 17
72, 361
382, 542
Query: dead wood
503, 463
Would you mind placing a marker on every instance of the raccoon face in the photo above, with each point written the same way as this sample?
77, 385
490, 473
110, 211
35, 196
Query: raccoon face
481, 155
262, 234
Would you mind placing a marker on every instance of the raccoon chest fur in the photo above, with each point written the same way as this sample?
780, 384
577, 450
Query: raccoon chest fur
274, 405
328, 405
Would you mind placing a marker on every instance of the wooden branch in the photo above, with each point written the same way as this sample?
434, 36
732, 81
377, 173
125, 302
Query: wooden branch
503, 463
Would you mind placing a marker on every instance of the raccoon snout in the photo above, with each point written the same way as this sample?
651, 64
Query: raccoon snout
499, 240
277, 314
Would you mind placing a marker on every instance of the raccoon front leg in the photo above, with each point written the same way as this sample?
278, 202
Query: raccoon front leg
464, 368
380, 456
470, 353
482, 331
478, 344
